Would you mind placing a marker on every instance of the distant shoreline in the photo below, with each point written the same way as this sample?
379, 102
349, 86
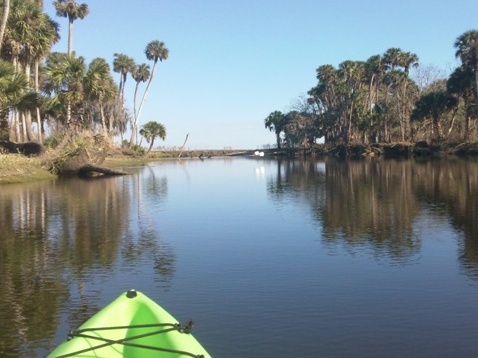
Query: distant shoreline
387, 150
17, 168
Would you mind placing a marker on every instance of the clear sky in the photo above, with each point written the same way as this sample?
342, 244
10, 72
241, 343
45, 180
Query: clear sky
232, 62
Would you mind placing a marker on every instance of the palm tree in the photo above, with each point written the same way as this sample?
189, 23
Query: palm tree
467, 50
393, 57
73, 11
373, 73
432, 106
19, 46
407, 60
154, 51
151, 131
351, 73
460, 84
276, 121
13, 88
140, 74
100, 86
123, 64
46, 35
64, 81
33, 33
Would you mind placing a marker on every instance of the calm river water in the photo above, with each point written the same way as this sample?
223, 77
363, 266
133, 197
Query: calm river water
373, 258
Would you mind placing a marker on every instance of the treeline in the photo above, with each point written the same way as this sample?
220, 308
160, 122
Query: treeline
377, 101
49, 94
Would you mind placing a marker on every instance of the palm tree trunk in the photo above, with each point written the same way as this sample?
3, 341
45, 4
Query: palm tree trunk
467, 127
135, 123
3, 24
37, 89
437, 129
14, 131
27, 117
150, 146
136, 118
102, 114
4, 135
68, 113
476, 83
70, 36
123, 84
28, 127
134, 98
23, 134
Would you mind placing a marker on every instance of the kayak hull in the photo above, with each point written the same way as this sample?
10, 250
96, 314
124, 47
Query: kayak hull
133, 325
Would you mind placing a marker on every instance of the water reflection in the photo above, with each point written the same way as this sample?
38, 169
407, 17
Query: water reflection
376, 203
56, 237
242, 231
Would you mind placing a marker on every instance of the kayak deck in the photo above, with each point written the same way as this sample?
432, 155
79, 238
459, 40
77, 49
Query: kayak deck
131, 326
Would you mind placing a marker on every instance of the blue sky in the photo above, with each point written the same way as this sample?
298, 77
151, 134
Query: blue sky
232, 62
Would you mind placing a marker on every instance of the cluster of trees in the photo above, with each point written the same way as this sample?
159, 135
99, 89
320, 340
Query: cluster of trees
44, 92
377, 101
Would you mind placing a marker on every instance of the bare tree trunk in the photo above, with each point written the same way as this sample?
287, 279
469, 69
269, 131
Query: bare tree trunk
182, 148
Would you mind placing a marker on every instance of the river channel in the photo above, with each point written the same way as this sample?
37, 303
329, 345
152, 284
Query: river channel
270, 258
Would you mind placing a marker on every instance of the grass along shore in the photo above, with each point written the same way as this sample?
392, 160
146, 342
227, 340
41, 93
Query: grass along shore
16, 168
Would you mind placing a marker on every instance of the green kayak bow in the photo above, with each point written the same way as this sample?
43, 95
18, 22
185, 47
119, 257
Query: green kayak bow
133, 325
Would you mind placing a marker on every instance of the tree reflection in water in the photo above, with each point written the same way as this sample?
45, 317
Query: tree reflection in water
375, 202
56, 236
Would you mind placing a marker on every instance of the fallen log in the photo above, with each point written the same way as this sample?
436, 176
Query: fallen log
92, 169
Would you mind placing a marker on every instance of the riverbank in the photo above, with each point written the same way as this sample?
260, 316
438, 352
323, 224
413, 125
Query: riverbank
17, 168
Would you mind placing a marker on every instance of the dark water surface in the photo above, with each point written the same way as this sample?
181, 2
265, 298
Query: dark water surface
269, 258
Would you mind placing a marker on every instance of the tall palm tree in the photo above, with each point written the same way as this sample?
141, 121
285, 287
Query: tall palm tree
140, 74
460, 84
19, 47
36, 33
467, 50
373, 72
351, 73
46, 35
13, 88
151, 131
327, 75
73, 11
155, 50
123, 64
100, 86
276, 121
407, 60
